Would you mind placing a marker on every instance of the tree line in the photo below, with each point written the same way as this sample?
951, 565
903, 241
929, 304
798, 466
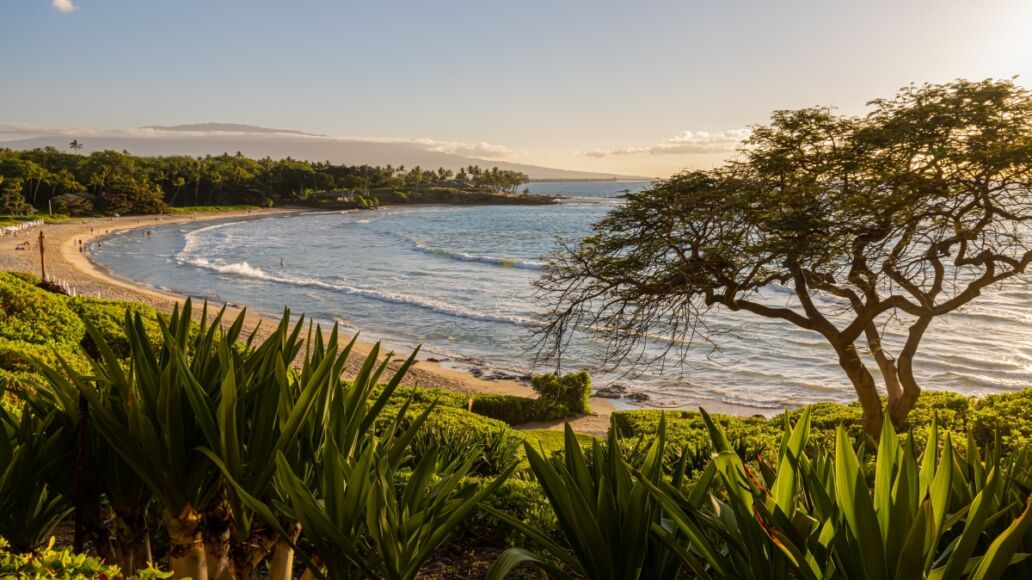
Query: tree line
118, 182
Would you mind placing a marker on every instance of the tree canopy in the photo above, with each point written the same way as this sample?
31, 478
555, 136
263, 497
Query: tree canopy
899, 216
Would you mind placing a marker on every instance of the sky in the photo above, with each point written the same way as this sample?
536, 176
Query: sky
645, 87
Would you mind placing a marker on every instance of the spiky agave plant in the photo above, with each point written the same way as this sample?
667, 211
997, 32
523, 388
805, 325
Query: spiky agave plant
357, 516
30, 450
603, 510
114, 498
266, 410
817, 517
142, 409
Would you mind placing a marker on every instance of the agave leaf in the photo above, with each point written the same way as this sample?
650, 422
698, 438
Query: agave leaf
786, 485
857, 507
920, 538
973, 526
998, 556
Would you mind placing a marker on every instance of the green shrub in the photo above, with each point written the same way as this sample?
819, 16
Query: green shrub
571, 390
108, 317
1009, 413
507, 408
422, 396
62, 563
757, 435
521, 499
518, 410
687, 430
17, 372
454, 434
550, 442
29, 314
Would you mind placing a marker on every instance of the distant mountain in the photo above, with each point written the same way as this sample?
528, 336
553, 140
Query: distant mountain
225, 128
257, 142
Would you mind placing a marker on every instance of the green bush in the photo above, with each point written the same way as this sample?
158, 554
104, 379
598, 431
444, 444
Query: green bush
63, 563
424, 396
1007, 413
29, 314
518, 410
108, 317
519, 498
757, 435
507, 408
16, 370
686, 429
454, 434
571, 390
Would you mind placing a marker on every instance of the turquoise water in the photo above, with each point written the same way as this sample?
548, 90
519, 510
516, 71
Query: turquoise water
457, 280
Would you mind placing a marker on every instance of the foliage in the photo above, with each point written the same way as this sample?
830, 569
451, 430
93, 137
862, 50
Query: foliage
1006, 414
380, 476
687, 429
30, 451
953, 413
863, 220
11, 200
604, 512
454, 435
519, 410
52, 563
570, 391
520, 498
108, 319
29, 314
359, 518
62, 563
818, 515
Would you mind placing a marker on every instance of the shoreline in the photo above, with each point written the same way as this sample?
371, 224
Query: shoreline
67, 264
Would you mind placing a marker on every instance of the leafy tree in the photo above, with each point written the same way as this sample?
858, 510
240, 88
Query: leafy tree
897, 217
126, 195
12, 201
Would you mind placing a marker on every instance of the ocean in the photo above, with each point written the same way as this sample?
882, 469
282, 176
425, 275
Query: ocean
457, 280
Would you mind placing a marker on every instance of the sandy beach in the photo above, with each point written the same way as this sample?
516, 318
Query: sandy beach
65, 263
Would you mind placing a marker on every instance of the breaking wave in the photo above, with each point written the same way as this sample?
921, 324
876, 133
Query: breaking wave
466, 257
245, 270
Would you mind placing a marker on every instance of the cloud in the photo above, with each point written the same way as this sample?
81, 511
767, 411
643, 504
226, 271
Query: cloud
65, 6
687, 143
479, 149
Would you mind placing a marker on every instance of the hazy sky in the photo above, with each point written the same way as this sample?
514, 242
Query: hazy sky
645, 87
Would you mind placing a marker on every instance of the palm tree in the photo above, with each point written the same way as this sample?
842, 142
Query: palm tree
75, 145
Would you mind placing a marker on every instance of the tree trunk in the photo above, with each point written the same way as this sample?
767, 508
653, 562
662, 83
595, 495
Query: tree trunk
216, 533
886, 364
900, 408
865, 387
187, 557
246, 555
282, 565
133, 549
